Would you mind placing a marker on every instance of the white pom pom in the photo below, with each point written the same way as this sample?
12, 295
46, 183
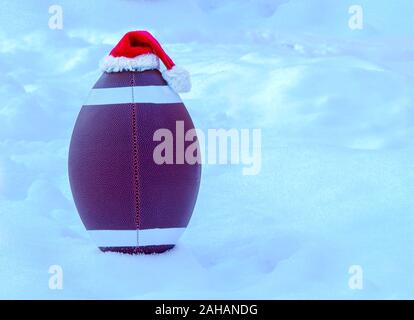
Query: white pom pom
178, 79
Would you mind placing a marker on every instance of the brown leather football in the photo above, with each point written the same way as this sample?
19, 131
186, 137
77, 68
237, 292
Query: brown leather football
127, 201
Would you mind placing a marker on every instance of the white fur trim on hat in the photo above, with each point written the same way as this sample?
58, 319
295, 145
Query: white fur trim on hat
178, 79
139, 63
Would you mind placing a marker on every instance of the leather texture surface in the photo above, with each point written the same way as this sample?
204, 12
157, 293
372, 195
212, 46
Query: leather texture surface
115, 182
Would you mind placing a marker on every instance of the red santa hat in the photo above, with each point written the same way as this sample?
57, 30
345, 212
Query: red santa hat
139, 51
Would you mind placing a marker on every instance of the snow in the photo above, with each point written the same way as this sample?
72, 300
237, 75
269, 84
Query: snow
335, 107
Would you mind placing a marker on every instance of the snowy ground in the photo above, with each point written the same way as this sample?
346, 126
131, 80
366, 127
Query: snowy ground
336, 109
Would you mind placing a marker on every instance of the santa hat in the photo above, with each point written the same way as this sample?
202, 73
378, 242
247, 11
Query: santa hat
139, 51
